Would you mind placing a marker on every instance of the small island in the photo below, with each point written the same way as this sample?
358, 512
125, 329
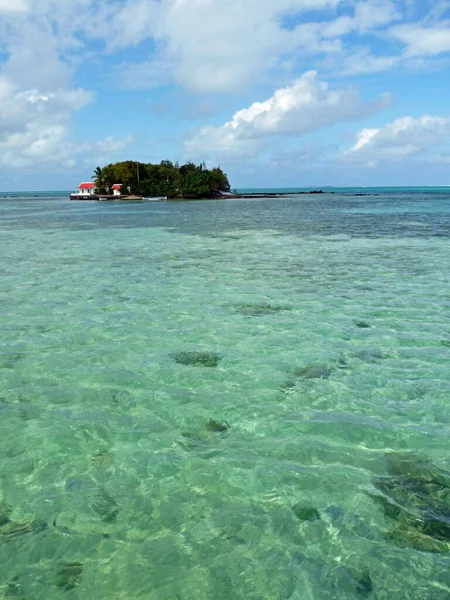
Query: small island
131, 180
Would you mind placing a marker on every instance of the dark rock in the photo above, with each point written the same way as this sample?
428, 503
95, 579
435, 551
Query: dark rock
362, 325
347, 580
409, 537
14, 588
10, 528
305, 513
68, 575
217, 427
103, 458
416, 494
259, 310
417, 470
106, 507
120, 397
8, 361
5, 513
370, 355
313, 372
197, 359
364, 585
390, 509
288, 385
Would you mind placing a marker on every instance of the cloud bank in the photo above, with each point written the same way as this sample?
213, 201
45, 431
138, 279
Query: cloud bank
305, 106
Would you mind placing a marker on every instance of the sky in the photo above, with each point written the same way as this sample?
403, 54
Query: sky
279, 93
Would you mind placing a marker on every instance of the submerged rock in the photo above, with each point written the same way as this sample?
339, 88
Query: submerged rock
351, 579
217, 427
417, 470
305, 513
314, 371
8, 361
409, 537
415, 494
193, 441
370, 355
68, 575
363, 325
106, 507
103, 458
197, 359
14, 588
364, 585
120, 397
5, 513
12, 529
259, 310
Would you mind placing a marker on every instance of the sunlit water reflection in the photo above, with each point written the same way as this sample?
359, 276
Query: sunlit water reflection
202, 400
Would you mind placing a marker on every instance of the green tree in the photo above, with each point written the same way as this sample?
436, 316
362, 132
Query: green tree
99, 180
166, 179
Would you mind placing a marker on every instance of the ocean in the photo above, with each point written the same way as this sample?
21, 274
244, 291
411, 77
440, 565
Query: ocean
226, 400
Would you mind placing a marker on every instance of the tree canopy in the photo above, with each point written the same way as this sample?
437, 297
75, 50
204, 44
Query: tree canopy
99, 179
164, 179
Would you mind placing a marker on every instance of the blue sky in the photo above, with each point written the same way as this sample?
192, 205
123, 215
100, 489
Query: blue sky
277, 92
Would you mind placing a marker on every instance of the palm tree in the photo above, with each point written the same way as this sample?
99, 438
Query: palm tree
98, 178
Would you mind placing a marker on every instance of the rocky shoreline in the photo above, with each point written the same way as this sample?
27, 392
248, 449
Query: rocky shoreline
223, 196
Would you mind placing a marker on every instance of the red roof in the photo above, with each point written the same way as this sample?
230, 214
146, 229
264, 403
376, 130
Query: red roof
86, 186
116, 186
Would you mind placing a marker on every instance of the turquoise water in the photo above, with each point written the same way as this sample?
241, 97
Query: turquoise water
260, 468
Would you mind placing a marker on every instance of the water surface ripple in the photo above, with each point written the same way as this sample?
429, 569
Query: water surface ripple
242, 400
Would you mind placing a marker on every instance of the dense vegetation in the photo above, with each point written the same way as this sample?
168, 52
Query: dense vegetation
165, 179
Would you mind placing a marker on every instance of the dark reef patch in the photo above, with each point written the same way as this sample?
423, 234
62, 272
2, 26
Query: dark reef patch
216, 426
68, 575
5, 513
370, 355
14, 588
305, 513
103, 458
197, 359
416, 495
259, 310
11, 528
313, 371
9, 360
105, 507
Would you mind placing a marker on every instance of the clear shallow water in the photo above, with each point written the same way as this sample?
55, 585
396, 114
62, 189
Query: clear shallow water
112, 485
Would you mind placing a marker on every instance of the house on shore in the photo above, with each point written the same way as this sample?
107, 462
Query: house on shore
116, 189
86, 189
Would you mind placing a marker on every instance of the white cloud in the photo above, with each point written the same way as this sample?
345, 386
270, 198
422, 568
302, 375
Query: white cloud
358, 62
203, 45
307, 105
48, 144
423, 41
404, 137
368, 15
241, 40
12, 5
34, 123
37, 98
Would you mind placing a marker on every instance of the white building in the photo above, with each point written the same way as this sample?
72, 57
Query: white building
86, 189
